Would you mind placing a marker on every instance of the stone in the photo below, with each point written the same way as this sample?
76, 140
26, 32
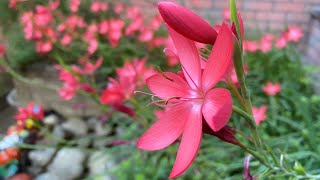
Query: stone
41, 157
47, 176
51, 120
58, 132
68, 164
75, 126
102, 130
99, 162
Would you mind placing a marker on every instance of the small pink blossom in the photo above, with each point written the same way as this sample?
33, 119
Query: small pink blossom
66, 40
98, 6
271, 89
119, 8
266, 43
93, 46
103, 27
74, 5
294, 33
71, 83
281, 42
259, 114
43, 47
43, 16
13, 3
32, 111
145, 35
89, 67
250, 46
226, 14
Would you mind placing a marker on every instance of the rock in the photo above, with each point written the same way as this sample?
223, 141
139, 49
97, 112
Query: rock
76, 126
91, 123
41, 157
102, 130
51, 120
58, 132
34, 170
67, 164
47, 176
99, 162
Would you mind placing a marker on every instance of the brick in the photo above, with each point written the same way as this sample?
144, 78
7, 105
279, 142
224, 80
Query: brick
201, 4
272, 16
248, 15
221, 4
289, 7
277, 26
298, 17
257, 5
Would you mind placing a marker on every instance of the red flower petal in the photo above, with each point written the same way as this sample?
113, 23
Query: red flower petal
220, 58
217, 108
190, 142
168, 85
167, 129
187, 23
189, 58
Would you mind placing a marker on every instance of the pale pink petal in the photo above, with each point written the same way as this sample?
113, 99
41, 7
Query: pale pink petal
168, 85
220, 58
217, 108
190, 142
189, 58
167, 129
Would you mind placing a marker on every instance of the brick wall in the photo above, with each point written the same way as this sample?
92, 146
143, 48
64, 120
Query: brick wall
259, 15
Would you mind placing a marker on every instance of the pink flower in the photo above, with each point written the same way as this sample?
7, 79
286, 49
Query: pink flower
66, 40
89, 68
271, 89
250, 46
74, 5
115, 31
103, 27
2, 49
294, 33
32, 111
133, 12
43, 47
266, 43
13, 3
190, 99
119, 8
145, 35
53, 5
43, 16
226, 14
187, 23
98, 6
259, 114
71, 83
93, 46
156, 22
130, 77
281, 42
134, 26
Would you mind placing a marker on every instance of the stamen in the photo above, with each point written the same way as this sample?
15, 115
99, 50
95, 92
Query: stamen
165, 76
